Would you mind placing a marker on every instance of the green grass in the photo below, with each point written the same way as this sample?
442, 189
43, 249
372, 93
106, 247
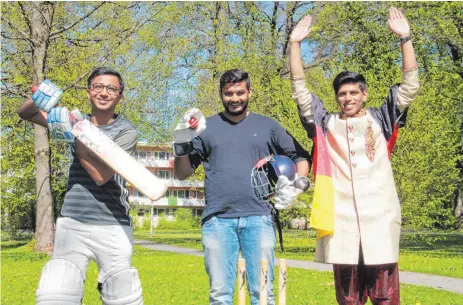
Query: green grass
174, 279
438, 254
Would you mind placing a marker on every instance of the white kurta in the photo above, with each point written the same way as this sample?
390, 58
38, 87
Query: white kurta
366, 205
362, 174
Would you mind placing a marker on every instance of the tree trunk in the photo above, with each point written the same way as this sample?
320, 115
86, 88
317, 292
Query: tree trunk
42, 14
458, 208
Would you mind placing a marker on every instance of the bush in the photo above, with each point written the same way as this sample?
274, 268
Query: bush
184, 220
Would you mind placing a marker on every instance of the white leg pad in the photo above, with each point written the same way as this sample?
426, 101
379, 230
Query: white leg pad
61, 283
122, 288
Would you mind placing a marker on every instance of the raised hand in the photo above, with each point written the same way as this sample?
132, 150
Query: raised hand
46, 96
397, 22
302, 29
192, 124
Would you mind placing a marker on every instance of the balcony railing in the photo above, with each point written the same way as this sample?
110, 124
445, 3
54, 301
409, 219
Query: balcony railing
185, 183
150, 162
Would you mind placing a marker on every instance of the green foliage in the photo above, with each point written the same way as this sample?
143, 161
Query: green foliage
425, 157
140, 222
17, 172
184, 220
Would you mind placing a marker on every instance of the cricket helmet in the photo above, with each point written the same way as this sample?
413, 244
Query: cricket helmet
265, 173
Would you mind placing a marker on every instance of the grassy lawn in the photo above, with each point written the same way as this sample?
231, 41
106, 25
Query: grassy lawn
439, 254
181, 280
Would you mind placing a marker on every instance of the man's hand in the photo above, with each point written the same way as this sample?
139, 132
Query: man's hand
60, 125
286, 192
397, 22
191, 125
302, 30
46, 96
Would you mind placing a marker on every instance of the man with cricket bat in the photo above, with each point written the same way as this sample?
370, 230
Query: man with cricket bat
94, 222
235, 218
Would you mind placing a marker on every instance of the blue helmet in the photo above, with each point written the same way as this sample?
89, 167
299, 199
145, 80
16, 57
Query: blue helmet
265, 173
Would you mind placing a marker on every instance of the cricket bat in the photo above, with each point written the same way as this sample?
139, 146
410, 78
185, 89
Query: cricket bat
242, 285
282, 282
263, 298
118, 159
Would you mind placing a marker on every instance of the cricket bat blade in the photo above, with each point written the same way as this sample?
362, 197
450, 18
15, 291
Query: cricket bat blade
119, 160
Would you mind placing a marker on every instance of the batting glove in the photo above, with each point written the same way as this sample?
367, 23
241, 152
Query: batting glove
286, 191
192, 124
46, 96
60, 125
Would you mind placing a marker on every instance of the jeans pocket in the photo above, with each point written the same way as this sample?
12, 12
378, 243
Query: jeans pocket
209, 222
268, 219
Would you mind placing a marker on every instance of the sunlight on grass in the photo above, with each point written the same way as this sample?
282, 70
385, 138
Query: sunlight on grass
174, 279
439, 254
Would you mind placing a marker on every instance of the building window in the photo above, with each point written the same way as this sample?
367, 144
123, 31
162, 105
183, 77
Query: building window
164, 155
163, 174
141, 154
138, 195
197, 212
183, 194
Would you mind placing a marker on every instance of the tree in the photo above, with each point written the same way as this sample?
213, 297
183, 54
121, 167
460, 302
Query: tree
62, 42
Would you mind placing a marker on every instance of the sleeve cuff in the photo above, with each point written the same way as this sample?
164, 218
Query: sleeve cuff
410, 75
297, 77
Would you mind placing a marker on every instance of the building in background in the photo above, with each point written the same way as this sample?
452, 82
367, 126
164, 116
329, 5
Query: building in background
189, 194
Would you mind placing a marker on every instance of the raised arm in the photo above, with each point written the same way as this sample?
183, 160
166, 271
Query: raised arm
300, 94
408, 89
36, 109
29, 112
183, 168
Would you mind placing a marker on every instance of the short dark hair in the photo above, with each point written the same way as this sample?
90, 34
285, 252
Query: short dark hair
349, 77
105, 71
234, 76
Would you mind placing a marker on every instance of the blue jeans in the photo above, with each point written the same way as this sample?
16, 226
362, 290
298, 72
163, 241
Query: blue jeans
222, 239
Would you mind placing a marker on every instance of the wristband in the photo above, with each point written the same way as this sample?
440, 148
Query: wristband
183, 149
405, 39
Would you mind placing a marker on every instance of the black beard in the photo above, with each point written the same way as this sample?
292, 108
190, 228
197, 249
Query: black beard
235, 113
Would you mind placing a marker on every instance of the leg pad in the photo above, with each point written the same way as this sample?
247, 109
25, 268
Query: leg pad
61, 283
122, 288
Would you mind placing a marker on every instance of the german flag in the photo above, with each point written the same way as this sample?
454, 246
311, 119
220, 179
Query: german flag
322, 216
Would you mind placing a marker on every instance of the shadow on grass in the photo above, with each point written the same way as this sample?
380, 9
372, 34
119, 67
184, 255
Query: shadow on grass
450, 244
303, 250
5, 245
303, 241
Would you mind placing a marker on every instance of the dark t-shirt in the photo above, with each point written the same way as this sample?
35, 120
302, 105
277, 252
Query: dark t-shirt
229, 151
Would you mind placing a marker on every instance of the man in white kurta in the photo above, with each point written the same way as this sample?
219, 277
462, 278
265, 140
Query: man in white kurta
360, 230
